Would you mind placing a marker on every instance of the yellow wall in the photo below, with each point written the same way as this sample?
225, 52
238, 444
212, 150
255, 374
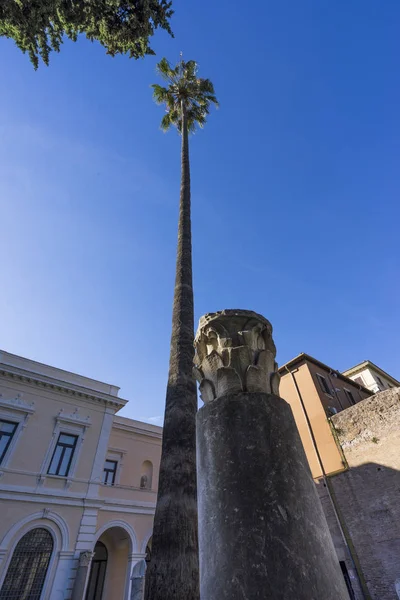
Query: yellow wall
328, 449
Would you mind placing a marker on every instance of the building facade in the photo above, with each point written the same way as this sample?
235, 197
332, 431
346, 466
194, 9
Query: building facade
351, 439
78, 487
78, 483
371, 376
316, 392
367, 493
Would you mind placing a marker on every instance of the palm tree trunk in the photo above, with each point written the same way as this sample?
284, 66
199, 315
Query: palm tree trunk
173, 572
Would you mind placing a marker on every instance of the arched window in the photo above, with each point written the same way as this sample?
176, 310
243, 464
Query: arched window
147, 475
28, 567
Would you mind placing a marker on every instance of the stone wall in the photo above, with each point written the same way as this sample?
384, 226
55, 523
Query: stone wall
368, 494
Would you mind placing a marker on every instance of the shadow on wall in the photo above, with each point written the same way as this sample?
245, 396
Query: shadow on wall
146, 478
368, 499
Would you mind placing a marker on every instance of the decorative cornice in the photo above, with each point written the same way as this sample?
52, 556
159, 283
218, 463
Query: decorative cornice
18, 374
74, 417
235, 352
17, 404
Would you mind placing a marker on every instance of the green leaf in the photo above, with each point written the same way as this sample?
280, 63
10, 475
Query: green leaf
184, 91
121, 26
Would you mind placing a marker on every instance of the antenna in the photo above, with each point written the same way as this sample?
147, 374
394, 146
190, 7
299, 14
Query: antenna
181, 63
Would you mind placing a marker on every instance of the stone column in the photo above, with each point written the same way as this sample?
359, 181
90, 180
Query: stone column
138, 580
78, 591
262, 531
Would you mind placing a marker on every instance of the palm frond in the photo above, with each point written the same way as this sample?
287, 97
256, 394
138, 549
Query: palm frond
184, 90
160, 93
165, 70
166, 122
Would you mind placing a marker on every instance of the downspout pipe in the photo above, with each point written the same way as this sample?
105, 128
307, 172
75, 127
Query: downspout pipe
357, 569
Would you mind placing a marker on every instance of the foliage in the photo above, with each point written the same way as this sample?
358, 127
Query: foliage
185, 91
121, 26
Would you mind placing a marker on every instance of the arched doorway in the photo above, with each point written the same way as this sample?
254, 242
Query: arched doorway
113, 575
28, 567
97, 573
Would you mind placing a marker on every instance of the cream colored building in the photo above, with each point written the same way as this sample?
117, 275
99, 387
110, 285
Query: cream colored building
372, 377
78, 487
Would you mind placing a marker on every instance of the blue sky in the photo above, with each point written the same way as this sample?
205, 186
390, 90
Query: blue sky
295, 188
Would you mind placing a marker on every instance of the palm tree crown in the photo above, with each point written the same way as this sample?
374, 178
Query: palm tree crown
185, 92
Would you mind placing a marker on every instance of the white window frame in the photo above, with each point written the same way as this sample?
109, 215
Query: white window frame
16, 411
72, 424
116, 455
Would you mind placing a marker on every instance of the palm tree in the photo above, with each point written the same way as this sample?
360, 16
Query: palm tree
173, 572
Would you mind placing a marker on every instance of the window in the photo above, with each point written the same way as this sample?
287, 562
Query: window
380, 381
28, 567
359, 380
110, 471
62, 456
349, 396
324, 384
7, 430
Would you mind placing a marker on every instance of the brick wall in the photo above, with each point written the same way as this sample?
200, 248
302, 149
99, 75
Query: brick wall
368, 494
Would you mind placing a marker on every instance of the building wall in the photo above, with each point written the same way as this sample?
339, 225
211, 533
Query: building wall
338, 399
77, 509
373, 380
338, 538
142, 441
32, 454
318, 404
368, 493
329, 452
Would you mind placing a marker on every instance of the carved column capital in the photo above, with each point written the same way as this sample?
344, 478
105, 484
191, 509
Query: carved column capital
235, 352
85, 558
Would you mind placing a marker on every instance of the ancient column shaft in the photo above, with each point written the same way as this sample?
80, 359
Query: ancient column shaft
79, 588
262, 531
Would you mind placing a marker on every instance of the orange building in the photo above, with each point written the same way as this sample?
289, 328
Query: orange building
316, 392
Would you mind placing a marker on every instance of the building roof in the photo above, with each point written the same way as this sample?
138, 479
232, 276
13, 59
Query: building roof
367, 364
303, 357
140, 427
30, 370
